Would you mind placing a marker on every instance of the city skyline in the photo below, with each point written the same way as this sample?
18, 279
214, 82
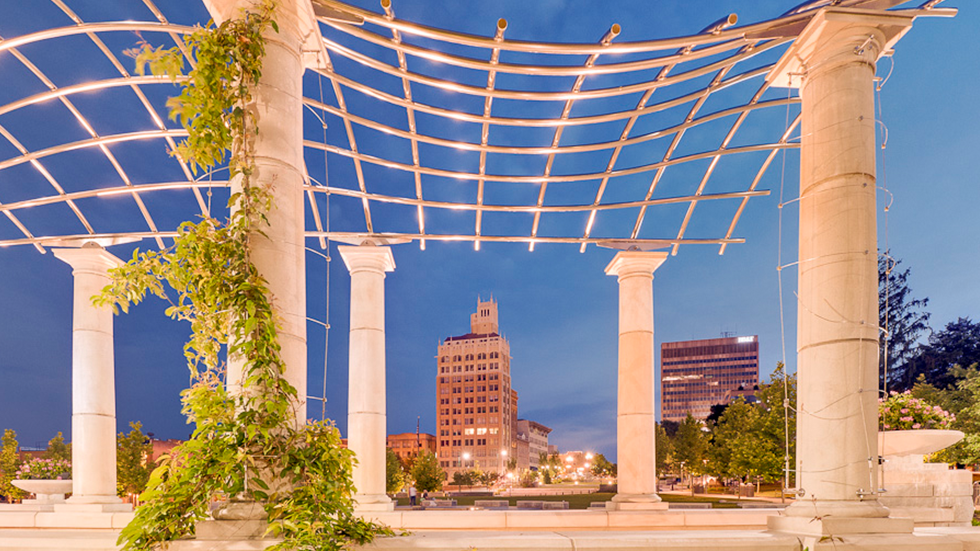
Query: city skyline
562, 325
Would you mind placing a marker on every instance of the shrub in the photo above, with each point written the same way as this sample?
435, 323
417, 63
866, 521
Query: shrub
44, 469
904, 412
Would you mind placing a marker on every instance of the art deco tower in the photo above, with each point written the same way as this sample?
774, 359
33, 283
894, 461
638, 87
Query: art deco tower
475, 408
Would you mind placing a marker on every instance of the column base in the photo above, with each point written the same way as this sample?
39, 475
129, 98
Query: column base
636, 502
240, 510
231, 530
110, 499
373, 503
820, 527
836, 508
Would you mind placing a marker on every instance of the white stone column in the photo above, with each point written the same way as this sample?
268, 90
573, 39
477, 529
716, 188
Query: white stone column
833, 64
366, 407
636, 417
93, 387
279, 254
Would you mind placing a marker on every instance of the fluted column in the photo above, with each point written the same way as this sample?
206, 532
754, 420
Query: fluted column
636, 416
366, 407
93, 387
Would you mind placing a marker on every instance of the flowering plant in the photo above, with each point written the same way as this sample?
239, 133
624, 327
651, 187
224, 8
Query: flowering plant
44, 469
904, 412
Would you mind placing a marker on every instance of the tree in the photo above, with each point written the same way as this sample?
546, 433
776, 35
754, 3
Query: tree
903, 318
958, 344
512, 464
528, 479
767, 453
778, 401
9, 462
462, 478
962, 399
57, 449
427, 473
133, 465
735, 422
602, 467
749, 439
664, 449
548, 465
489, 478
690, 445
394, 475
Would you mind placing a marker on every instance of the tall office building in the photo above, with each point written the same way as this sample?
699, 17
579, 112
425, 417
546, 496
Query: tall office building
476, 407
695, 375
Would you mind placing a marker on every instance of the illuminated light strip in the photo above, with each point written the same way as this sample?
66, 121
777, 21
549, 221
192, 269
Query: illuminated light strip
36, 241
735, 35
94, 142
485, 127
522, 150
606, 40
450, 86
339, 94
157, 121
546, 123
536, 208
536, 70
758, 178
410, 114
714, 161
551, 179
732, 34
61, 32
662, 75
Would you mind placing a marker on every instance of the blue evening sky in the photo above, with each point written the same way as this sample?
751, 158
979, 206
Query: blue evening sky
557, 308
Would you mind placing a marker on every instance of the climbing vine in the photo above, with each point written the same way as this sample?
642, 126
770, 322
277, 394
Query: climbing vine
245, 445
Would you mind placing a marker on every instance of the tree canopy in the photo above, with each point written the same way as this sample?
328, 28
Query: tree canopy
133, 465
57, 449
904, 320
957, 344
427, 473
394, 474
9, 461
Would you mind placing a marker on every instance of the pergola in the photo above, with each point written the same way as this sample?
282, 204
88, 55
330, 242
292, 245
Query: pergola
636, 146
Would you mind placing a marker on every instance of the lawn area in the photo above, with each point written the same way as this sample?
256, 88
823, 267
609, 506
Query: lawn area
582, 501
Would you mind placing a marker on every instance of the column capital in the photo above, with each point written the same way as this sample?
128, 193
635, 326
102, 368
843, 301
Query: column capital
627, 263
89, 258
367, 257
835, 36
297, 20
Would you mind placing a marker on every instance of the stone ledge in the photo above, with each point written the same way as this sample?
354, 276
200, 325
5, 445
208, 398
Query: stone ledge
928, 539
598, 519
65, 521
839, 526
